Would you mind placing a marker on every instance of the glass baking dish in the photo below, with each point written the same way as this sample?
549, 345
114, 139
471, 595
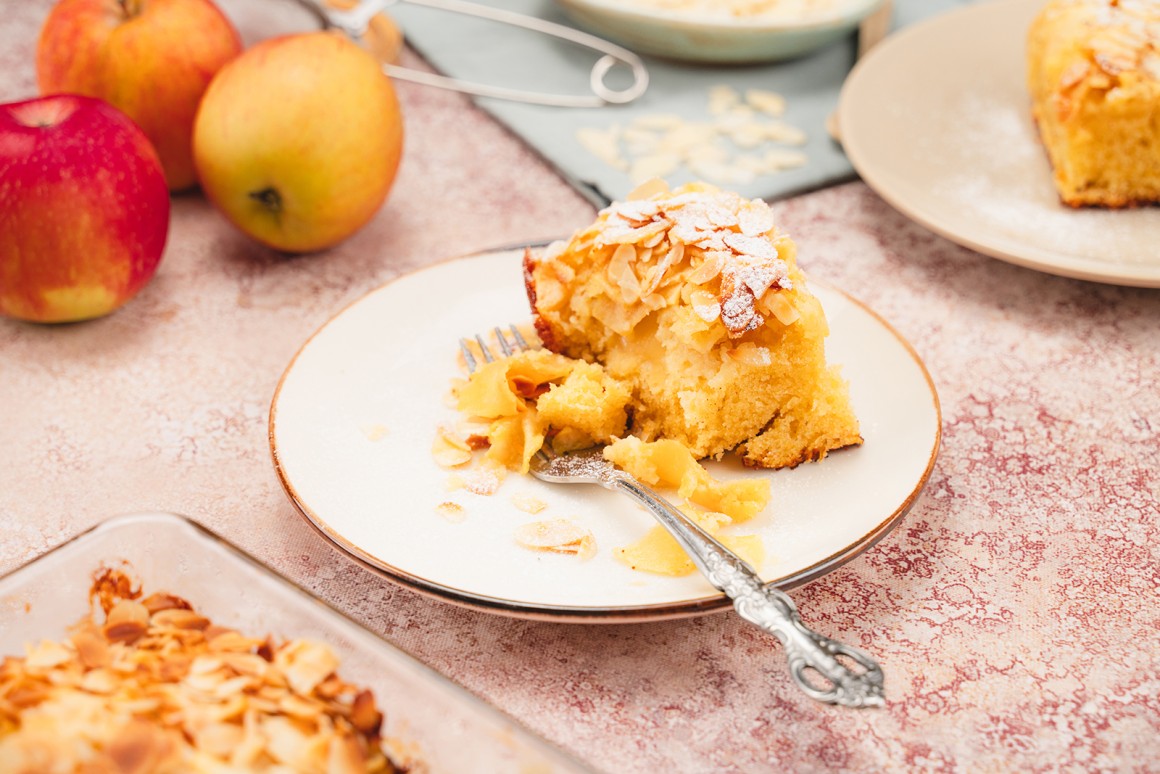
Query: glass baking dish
451, 729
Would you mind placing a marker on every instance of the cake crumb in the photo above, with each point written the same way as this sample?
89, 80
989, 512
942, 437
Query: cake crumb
375, 432
452, 511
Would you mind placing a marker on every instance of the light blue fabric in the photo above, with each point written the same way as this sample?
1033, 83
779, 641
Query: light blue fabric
476, 50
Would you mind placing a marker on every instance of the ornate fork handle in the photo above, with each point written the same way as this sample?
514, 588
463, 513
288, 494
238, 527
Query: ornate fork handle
767, 607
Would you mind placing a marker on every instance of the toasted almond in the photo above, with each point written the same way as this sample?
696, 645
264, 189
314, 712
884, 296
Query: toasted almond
305, 664
558, 536
768, 102
178, 618
781, 308
155, 603
707, 270
449, 451
48, 654
705, 305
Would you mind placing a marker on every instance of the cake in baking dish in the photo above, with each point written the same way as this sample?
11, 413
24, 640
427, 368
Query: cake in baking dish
1094, 78
693, 298
148, 684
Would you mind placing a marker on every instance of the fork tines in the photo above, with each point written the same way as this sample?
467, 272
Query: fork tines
517, 344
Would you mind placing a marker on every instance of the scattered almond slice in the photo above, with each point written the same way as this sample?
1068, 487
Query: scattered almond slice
726, 147
449, 450
768, 102
558, 536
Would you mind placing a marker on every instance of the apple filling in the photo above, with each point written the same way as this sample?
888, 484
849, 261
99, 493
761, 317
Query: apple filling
518, 404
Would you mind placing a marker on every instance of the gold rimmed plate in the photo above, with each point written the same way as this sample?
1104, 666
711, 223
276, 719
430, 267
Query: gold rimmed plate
354, 416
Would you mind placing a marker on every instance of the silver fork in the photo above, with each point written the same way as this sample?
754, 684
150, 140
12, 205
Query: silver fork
757, 602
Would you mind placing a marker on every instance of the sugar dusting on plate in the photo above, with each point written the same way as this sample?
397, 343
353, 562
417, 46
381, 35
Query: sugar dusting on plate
1002, 177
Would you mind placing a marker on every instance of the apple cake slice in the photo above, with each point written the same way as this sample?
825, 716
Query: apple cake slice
694, 299
1093, 71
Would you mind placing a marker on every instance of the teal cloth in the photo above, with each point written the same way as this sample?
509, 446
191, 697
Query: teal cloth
489, 52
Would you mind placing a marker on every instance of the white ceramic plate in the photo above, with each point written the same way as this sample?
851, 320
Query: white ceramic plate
688, 35
355, 414
937, 120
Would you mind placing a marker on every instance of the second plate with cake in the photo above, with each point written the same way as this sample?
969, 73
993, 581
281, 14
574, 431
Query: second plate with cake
937, 120
355, 415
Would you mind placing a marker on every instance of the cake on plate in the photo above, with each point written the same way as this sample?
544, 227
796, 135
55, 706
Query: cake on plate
694, 299
1093, 71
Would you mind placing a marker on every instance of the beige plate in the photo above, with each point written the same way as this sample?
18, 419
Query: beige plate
937, 120
355, 414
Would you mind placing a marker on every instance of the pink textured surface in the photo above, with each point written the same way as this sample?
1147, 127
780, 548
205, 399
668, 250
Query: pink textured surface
1015, 610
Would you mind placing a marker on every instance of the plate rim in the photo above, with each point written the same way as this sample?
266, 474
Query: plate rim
579, 613
1003, 249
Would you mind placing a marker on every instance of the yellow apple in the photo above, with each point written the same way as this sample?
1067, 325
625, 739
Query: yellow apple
84, 211
297, 141
152, 59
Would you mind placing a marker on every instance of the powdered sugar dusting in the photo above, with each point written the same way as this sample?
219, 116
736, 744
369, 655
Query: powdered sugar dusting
992, 188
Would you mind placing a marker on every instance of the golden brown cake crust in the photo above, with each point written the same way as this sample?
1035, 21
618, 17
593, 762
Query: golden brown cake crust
543, 329
1093, 73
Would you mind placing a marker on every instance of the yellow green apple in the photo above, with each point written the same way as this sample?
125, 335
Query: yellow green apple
152, 59
84, 209
297, 141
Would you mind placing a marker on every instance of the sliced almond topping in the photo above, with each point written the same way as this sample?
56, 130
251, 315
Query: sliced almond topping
47, 655
705, 305
673, 257
155, 603
305, 664
781, 308
127, 622
632, 236
707, 270
755, 219
755, 247
178, 618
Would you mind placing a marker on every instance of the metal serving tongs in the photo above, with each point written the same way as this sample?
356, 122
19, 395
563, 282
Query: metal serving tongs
355, 21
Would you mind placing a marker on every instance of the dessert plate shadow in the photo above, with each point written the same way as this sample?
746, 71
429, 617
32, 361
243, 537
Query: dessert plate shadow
937, 120
355, 413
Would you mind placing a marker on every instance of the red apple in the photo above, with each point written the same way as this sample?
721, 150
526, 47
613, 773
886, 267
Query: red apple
152, 59
84, 210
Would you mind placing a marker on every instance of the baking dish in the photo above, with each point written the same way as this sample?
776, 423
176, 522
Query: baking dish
451, 729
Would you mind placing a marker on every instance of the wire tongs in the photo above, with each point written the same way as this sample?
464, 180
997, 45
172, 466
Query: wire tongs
355, 21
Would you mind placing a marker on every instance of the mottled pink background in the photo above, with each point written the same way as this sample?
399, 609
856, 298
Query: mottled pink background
1014, 609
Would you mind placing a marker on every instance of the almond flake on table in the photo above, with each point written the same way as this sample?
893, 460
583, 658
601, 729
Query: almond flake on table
739, 141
